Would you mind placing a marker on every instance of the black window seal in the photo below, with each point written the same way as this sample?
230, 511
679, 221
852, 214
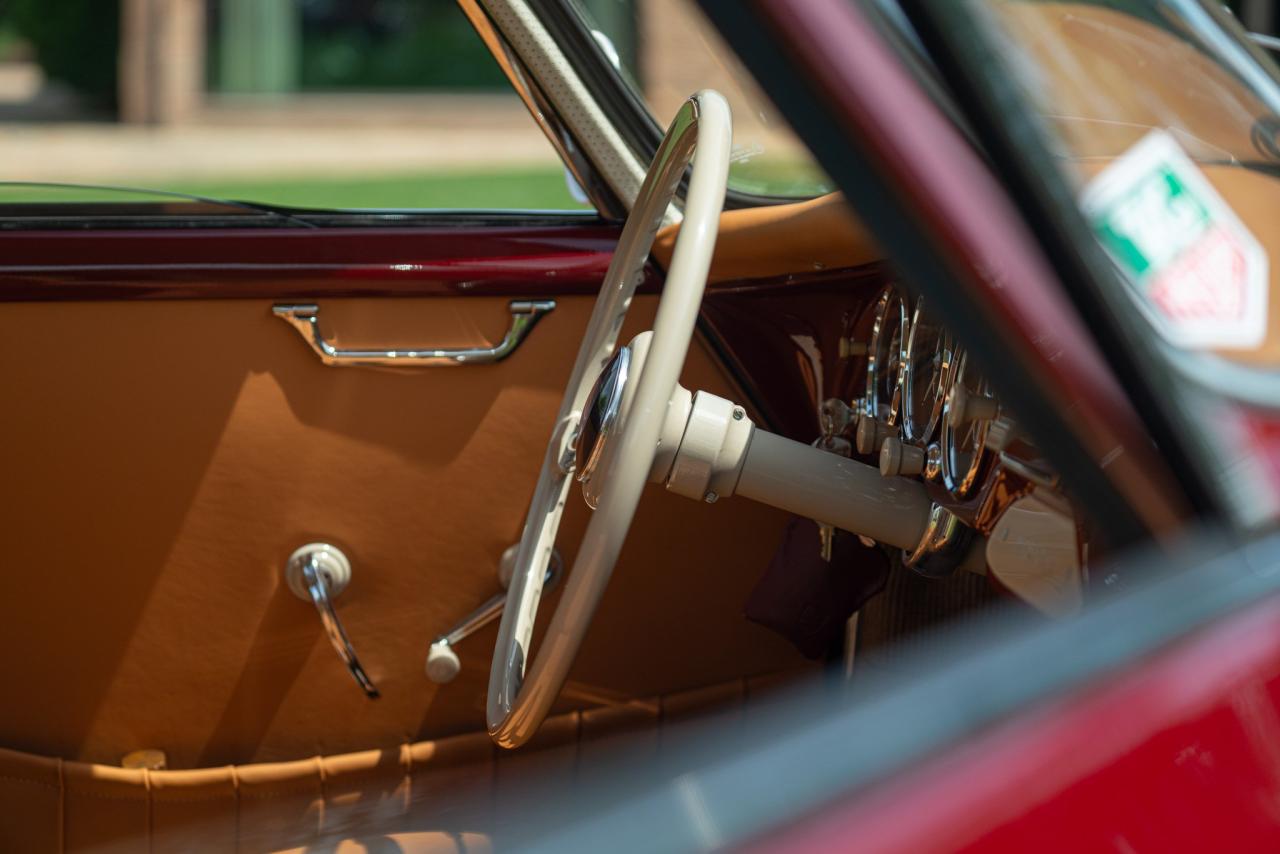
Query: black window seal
139, 217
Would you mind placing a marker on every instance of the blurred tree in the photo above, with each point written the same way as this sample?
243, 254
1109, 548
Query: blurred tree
258, 45
1256, 15
76, 41
327, 45
388, 44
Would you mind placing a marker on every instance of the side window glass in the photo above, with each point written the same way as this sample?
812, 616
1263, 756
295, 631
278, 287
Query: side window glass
326, 104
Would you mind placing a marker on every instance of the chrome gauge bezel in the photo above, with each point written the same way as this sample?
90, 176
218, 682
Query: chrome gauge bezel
963, 452
918, 426
884, 366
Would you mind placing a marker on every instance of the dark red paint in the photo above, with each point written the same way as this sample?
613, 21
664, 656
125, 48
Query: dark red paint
1177, 753
305, 263
1181, 752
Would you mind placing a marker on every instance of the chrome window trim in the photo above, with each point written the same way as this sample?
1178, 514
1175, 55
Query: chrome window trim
598, 191
513, 30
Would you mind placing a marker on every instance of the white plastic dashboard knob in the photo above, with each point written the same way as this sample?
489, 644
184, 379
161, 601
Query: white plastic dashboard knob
967, 406
899, 458
442, 663
870, 433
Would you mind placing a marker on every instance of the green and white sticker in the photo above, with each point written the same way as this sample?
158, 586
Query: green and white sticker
1194, 268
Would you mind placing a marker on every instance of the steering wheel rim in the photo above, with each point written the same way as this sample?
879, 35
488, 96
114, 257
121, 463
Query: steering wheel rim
518, 701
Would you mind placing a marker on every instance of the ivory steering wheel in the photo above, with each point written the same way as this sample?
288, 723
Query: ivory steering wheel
607, 432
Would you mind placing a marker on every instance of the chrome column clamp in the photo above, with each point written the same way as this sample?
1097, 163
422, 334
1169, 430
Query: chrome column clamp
944, 545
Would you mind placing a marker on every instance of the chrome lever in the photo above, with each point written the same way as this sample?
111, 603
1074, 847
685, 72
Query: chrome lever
305, 319
442, 662
319, 572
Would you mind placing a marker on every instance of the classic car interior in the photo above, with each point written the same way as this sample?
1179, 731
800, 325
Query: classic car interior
267, 484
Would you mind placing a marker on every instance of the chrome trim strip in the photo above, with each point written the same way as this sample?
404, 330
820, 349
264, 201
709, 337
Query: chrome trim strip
305, 319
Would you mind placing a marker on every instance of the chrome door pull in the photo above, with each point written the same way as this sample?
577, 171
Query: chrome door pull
442, 662
317, 573
525, 314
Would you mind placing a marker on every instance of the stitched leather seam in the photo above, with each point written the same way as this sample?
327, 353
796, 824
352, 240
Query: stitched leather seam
247, 794
30, 782
85, 793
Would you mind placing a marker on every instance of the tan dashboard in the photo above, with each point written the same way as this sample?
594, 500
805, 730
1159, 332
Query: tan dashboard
777, 240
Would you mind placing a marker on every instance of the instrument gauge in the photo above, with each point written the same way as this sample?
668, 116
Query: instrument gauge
967, 412
926, 369
885, 356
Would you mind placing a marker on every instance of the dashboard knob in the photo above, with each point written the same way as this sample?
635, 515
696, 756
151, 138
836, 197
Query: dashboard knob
442, 662
835, 417
965, 406
899, 458
869, 434
849, 348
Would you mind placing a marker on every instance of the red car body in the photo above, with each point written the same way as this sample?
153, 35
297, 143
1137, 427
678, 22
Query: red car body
1173, 745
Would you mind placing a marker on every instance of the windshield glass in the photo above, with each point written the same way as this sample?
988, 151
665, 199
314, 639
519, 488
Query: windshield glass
665, 50
1165, 124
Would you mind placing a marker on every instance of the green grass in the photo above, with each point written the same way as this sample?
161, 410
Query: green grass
524, 189
534, 188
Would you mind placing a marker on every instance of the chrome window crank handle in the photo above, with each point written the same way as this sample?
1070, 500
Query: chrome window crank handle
319, 572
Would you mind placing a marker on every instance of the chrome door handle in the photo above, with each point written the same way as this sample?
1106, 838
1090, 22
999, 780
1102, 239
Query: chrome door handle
319, 572
525, 314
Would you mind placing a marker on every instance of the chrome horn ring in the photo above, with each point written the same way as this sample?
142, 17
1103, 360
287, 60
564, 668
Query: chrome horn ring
600, 420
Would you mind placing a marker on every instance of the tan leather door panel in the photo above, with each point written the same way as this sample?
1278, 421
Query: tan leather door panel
161, 460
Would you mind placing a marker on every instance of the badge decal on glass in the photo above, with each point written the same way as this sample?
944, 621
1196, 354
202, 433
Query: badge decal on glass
1197, 271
